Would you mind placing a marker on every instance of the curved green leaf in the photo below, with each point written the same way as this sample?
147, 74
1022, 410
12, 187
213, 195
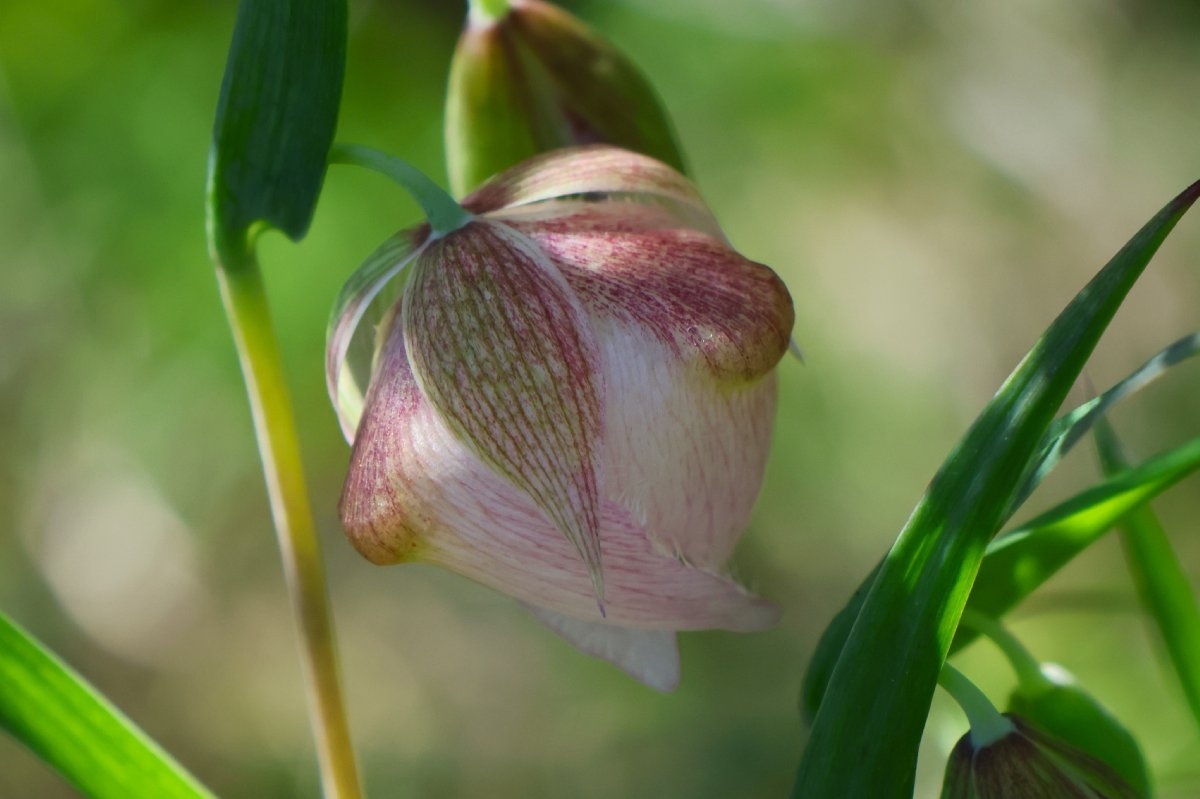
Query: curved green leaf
866, 732
1161, 580
1063, 434
275, 119
1067, 431
1020, 561
57, 714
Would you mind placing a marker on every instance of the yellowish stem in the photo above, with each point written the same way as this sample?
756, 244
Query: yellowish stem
275, 427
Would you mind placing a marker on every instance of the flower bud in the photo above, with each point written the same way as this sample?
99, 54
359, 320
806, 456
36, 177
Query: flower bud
570, 401
1059, 706
536, 79
1029, 764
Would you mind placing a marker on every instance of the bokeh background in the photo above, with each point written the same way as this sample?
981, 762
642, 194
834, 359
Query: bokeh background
934, 180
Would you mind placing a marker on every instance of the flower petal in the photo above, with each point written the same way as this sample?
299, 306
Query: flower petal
689, 329
347, 375
687, 459
589, 169
649, 656
687, 288
415, 490
500, 347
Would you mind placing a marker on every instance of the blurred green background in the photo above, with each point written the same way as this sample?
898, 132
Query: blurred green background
934, 180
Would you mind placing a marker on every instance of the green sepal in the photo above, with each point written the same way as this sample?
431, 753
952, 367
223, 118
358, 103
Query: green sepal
885, 676
537, 79
1059, 706
275, 120
65, 721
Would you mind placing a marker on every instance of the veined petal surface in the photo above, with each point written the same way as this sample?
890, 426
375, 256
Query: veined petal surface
687, 288
689, 333
415, 490
501, 348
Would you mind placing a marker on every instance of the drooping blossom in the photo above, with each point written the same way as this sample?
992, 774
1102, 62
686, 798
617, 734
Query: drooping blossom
1028, 763
570, 400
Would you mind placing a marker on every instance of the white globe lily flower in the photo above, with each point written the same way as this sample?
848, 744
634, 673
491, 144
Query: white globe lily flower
569, 400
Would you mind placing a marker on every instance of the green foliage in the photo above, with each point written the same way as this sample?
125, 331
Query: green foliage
275, 119
1163, 584
864, 739
54, 712
1058, 706
1017, 563
1023, 559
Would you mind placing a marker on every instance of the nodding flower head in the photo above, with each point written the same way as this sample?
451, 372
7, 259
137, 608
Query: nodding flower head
570, 400
1028, 763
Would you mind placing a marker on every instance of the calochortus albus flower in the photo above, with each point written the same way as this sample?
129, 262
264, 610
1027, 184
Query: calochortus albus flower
570, 400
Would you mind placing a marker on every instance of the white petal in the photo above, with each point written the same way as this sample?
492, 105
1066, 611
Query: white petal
415, 491
649, 656
685, 455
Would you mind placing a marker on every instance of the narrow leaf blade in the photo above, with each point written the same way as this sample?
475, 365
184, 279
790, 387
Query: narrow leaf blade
1069, 429
866, 732
1023, 559
1161, 580
58, 715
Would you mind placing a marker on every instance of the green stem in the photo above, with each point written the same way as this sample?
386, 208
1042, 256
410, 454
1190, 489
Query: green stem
246, 305
444, 214
987, 724
488, 10
1028, 669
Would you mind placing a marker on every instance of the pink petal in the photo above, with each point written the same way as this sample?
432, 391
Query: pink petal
649, 656
687, 288
500, 347
685, 447
589, 169
415, 490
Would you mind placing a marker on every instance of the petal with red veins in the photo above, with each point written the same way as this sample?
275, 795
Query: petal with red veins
590, 169
688, 289
500, 346
649, 656
416, 490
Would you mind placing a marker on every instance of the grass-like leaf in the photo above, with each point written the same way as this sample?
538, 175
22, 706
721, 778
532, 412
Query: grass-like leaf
1021, 560
867, 729
1161, 581
57, 714
1062, 436
1069, 429
275, 119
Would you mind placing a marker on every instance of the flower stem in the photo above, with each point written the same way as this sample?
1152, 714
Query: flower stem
987, 725
1024, 664
444, 214
275, 428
